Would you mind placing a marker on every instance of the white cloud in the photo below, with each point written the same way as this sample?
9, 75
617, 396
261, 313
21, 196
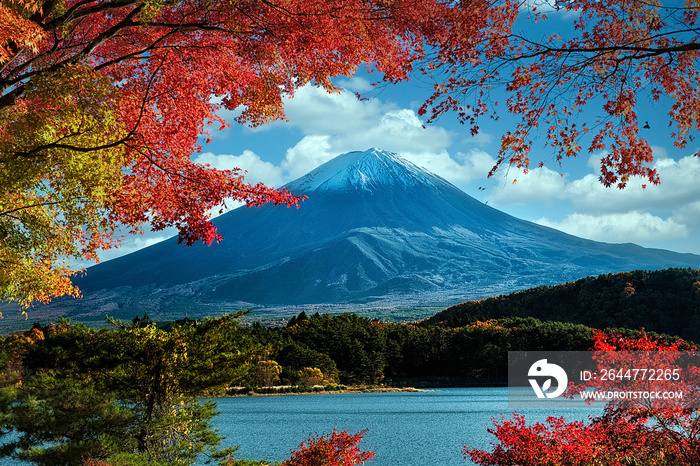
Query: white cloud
678, 187
307, 154
538, 185
138, 242
589, 195
620, 228
688, 214
355, 84
478, 160
131, 243
315, 111
458, 169
663, 212
257, 170
353, 124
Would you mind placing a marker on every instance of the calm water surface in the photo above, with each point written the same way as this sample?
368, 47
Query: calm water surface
404, 429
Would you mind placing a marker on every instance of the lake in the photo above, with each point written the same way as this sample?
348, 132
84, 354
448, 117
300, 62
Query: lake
404, 428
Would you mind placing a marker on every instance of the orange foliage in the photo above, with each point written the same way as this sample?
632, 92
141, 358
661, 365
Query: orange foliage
491, 323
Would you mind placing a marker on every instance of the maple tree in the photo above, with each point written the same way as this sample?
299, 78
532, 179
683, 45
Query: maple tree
630, 431
336, 449
103, 103
614, 55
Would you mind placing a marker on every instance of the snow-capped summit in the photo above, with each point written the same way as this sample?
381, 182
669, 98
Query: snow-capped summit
369, 170
374, 227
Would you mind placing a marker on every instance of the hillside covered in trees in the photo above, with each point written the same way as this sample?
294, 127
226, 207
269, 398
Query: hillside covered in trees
664, 301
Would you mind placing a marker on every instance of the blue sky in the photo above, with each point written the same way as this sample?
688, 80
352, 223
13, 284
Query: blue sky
321, 126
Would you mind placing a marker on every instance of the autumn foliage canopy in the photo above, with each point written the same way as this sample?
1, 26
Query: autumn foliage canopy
104, 102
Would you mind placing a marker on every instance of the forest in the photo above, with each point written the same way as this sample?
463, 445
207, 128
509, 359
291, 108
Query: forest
663, 301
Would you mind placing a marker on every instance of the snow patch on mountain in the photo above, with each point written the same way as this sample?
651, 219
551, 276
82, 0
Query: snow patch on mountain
366, 171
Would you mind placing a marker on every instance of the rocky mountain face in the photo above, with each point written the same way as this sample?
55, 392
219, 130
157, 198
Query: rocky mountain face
374, 229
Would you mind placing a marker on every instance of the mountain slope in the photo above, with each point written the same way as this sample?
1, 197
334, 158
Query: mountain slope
374, 227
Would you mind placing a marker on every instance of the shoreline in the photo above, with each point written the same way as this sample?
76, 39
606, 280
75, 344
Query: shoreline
349, 389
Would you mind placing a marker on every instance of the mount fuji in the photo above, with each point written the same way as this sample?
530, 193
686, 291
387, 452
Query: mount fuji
374, 228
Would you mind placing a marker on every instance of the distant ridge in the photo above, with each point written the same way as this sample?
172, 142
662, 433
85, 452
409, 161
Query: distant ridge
375, 229
663, 301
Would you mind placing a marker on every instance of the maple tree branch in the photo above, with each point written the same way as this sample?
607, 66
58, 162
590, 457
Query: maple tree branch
18, 75
650, 51
37, 151
129, 136
76, 12
540, 49
138, 53
46, 8
18, 209
157, 165
181, 26
9, 99
282, 9
15, 51
124, 23
255, 20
